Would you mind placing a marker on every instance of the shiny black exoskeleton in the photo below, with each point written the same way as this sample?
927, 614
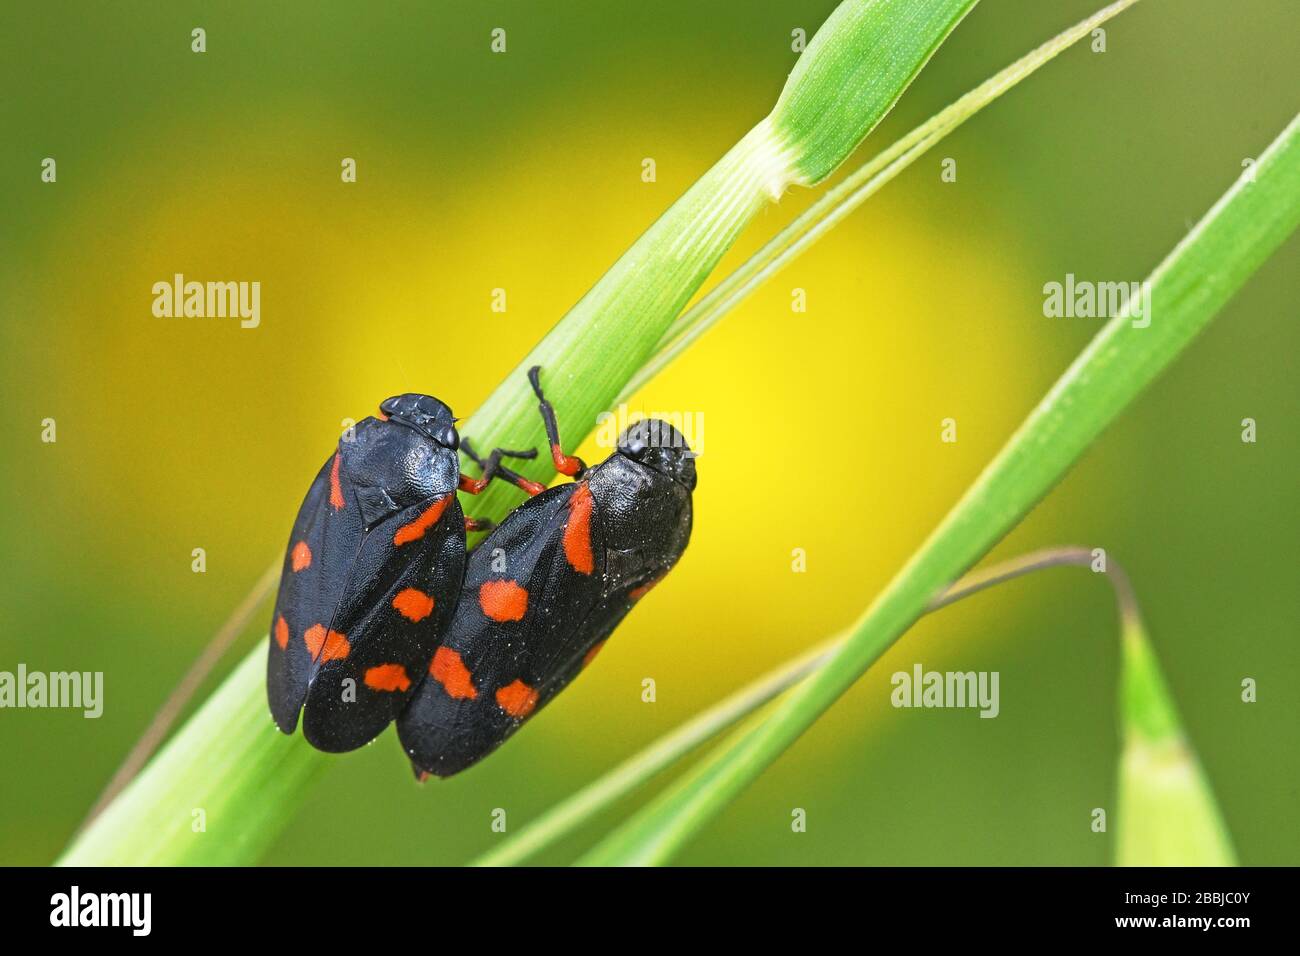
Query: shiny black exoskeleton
545, 589
371, 575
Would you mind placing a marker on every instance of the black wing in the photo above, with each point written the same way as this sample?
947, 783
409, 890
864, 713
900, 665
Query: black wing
368, 585
530, 611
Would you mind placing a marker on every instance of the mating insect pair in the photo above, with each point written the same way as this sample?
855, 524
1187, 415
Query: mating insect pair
382, 614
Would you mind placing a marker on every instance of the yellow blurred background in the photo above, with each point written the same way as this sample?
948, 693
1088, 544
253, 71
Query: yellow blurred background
522, 171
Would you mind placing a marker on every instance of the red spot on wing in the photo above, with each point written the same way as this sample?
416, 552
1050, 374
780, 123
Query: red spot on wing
326, 645
412, 604
590, 656
517, 699
503, 600
577, 532
336, 489
282, 632
427, 519
389, 677
381, 416
300, 557
450, 671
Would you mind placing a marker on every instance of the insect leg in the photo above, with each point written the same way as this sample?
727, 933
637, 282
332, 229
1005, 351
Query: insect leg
492, 467
570, 465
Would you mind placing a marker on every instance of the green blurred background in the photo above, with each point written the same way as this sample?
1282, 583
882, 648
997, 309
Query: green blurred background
523, 171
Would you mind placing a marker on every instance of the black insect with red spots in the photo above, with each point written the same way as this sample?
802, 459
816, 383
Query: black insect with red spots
372, 573
545, 589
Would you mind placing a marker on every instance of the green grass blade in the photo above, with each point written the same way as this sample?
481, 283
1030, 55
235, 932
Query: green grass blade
589, 356
1166, 813
861, 59
829, 99
1202, 272
193, 803
571, 813
831, 209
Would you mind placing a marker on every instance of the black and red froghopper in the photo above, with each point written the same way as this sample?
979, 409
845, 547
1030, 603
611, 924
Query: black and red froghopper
545, 589
371, 575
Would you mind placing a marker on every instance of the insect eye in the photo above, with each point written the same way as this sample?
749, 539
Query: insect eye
448, 437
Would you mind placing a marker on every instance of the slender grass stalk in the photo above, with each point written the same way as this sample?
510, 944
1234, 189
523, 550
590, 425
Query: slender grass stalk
817, 220
217, 794
156, 732
831, 209
852, 72
1167, 813
850, 75
569, 814
1187, 289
